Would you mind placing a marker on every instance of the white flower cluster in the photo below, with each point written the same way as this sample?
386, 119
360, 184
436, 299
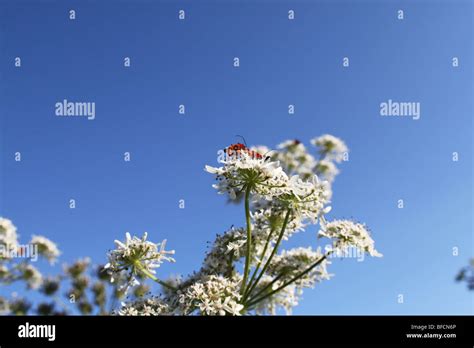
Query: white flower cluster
145, 307
291, 262
308, 199
138, 255
8, 238
4, 271
31, 275
326, 169
230, 247
330, 147
212, 295
267, 179
226, 247
46, 248
347, 234
295, 158
268, 219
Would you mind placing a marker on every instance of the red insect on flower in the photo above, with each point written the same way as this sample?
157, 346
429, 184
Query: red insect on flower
239, 148
236, 150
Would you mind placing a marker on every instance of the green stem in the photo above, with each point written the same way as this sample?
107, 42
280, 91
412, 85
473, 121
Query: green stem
249, 238
269, 285
280, 236
255, 300
150, 275
267, 242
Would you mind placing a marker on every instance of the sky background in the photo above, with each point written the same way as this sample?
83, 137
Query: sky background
282, 62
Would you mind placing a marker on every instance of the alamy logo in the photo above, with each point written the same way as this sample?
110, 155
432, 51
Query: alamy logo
67, 108
404, 109
37, 331
29, 251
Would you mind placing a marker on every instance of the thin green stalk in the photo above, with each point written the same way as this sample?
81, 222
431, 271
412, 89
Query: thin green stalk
267, 242
255, 300
269, 285
277, 244
249, 238
150, 275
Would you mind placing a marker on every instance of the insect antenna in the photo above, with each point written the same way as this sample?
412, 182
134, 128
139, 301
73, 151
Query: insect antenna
245, 143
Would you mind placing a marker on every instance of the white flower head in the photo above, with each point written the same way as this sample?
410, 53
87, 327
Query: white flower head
268, 218
212, 295
330, 147
225, 248
4, 271
138, 256
308, 199
295, 159
326, 169
8, 236
31, 275
347, 233
292, 262
145, 307
77, 268
236, 246
266, 179
46, 248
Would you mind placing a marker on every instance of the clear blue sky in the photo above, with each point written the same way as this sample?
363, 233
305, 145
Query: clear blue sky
282, 62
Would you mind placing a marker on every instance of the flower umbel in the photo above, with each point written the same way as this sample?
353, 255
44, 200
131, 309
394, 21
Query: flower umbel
266, 179
145, 307
291, 262
46, 248
330, 147
31, 275
137, 256
347, 233
8, 237
213, 295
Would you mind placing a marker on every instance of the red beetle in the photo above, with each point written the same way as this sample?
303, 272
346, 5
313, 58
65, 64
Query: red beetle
238, 148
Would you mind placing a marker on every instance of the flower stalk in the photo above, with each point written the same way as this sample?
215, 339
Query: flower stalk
275, 248
249, 238
150, 275
253, 301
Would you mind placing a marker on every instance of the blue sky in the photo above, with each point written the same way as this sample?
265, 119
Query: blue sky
282, 62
